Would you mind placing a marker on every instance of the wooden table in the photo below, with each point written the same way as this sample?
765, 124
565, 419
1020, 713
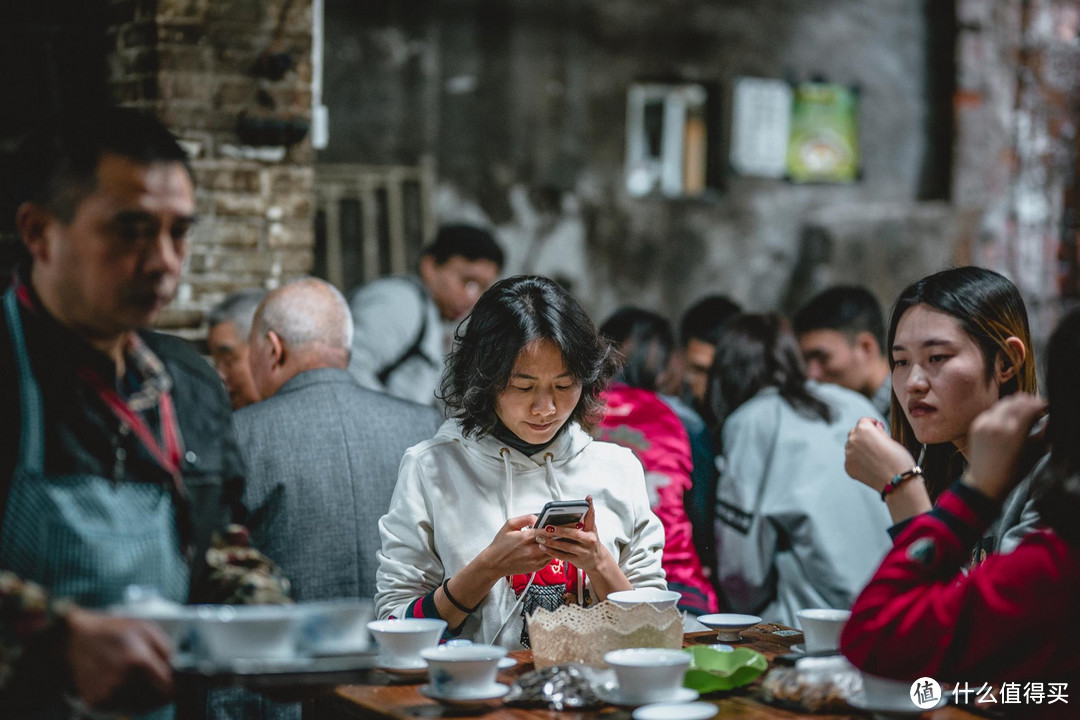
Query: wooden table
387, 697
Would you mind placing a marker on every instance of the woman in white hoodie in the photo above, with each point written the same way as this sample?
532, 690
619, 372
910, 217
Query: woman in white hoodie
458, 542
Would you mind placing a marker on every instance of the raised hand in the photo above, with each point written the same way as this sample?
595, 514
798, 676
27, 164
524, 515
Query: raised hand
872, 457
998, 441
581, 547
514, 550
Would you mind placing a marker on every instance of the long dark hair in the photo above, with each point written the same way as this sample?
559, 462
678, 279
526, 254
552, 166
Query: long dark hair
754, 352
1059, 503
646, 342
511, 314
990, 310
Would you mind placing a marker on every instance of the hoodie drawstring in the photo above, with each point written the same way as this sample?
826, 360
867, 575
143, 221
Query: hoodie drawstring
508, 495
508, 475
549, 476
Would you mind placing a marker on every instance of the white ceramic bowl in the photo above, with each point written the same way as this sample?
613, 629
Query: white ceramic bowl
400, 641
728, 626
660, 599
173, 619
336, 627
231, 632
822, 627
647, 675
462, 670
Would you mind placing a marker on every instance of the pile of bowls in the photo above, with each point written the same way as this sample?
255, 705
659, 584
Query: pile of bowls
222, 634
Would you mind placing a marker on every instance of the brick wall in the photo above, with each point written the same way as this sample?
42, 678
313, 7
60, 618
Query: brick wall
202, 66
1018, 66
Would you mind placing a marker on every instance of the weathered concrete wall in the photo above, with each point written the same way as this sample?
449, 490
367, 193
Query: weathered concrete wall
523, 106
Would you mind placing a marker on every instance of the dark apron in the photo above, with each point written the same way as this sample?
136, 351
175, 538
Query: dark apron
83, 537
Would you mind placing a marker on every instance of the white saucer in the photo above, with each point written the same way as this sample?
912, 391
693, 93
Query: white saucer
506, 663
416, 667
897, 706
610, 694
491, 692
728, 625
676, 711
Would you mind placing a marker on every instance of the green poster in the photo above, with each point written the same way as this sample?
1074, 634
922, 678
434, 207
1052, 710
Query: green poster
824, 141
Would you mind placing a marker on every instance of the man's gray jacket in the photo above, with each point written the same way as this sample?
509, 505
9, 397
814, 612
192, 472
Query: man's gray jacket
323, 456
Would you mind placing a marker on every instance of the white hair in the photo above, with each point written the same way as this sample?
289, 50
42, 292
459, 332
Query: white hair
238, 308
307, 311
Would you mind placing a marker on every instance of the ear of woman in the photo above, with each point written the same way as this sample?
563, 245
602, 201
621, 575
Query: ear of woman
1010, 360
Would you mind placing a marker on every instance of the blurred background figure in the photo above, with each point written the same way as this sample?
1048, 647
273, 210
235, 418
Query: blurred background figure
841, 334
657, 429
404, 324
793, 530
698, 331
229, 326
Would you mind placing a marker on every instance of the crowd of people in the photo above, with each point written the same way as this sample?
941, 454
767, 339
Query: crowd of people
397, 444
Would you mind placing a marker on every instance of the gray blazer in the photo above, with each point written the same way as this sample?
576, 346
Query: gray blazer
322, 457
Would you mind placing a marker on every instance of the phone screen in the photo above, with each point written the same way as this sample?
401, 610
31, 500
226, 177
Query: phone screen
563, 518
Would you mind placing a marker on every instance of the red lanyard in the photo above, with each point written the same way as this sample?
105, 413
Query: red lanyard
168, 453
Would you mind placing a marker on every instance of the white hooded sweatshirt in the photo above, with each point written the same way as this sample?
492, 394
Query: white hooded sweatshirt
454, 493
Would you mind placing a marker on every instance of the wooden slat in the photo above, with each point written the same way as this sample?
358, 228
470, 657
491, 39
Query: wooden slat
335, 273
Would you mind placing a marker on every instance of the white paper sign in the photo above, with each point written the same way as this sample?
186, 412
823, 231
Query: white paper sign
761, 123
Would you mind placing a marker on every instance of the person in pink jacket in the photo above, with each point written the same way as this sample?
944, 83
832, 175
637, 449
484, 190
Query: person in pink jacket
637, 418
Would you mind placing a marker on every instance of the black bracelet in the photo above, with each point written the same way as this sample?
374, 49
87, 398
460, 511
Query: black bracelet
455, 603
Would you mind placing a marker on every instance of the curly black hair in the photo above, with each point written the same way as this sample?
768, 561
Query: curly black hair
511, 314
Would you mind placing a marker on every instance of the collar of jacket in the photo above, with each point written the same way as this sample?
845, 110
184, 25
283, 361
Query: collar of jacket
316, 376
566, 445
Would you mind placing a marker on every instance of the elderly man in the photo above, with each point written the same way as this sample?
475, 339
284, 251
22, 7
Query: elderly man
229, 325
117, 459
404, 324
323, 452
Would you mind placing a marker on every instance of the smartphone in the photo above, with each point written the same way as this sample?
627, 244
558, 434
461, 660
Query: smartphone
562, 512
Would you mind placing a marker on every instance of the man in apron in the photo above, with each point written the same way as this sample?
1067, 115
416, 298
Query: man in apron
117, 457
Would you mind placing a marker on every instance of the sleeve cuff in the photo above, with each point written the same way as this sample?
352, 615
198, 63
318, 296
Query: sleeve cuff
983, 505
425, 608
895, 530
966, 512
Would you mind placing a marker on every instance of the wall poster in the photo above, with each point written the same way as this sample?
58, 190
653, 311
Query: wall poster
823, 146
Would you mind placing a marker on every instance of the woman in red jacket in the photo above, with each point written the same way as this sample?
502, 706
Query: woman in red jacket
1011, 619
958, 342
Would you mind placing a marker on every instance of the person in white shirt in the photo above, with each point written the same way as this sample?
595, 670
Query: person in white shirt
522, 386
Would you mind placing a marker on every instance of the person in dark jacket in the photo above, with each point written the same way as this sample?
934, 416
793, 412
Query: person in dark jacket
117, 460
